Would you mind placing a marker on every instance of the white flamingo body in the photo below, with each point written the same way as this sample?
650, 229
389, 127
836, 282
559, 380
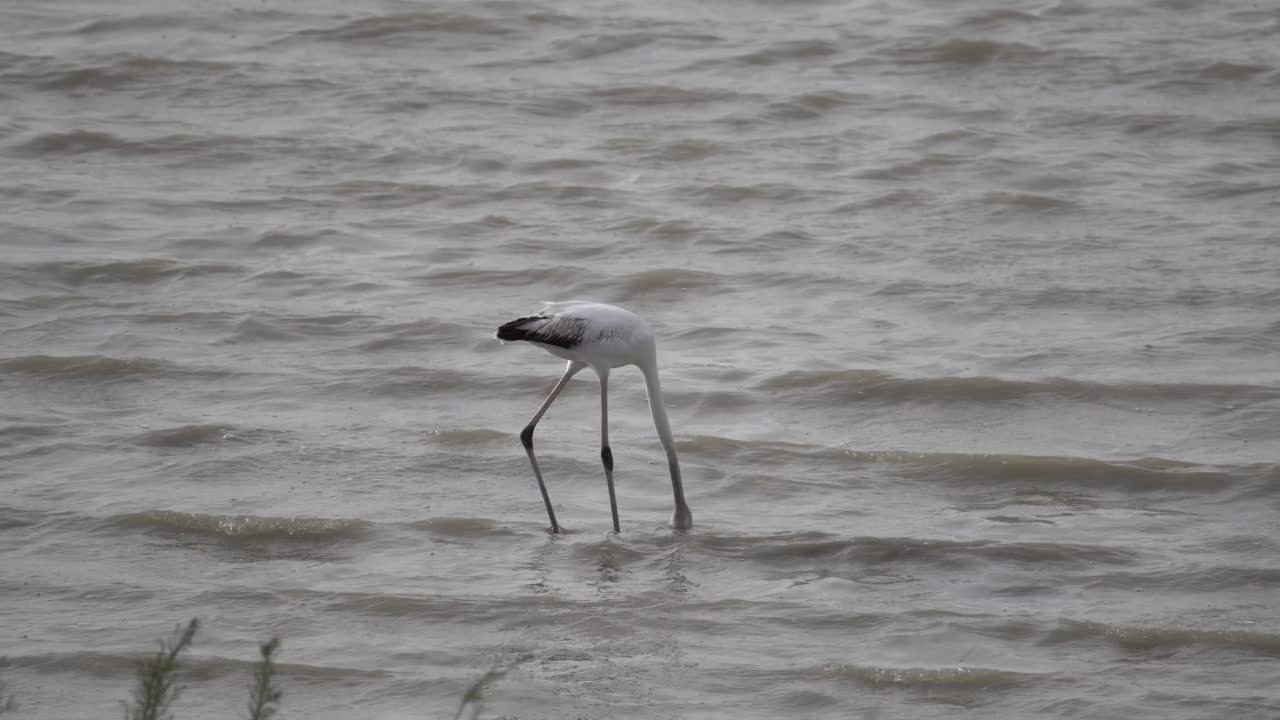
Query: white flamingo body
611, 336
602, 337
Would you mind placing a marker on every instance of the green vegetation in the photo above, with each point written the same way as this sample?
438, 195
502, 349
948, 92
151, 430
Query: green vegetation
7, 703
264, 696
157, 687
473, 698
157, 677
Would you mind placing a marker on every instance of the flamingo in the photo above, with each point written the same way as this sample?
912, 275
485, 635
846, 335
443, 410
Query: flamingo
602, 337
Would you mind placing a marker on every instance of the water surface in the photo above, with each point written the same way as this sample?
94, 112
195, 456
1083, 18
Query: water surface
967, 322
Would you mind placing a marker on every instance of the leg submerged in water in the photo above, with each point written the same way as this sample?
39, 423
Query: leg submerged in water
526, 439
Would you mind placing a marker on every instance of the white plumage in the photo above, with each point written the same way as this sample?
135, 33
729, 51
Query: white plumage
602, 337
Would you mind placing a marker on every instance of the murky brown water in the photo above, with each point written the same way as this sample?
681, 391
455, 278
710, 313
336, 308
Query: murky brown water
967, 314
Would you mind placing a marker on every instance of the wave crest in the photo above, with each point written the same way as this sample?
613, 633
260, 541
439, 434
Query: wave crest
243, 527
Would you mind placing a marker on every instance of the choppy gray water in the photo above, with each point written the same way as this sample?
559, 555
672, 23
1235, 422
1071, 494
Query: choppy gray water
968, 320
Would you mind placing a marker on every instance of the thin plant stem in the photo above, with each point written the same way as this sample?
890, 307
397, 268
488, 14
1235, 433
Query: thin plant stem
473, 697
264, 695
157, 687
7, 702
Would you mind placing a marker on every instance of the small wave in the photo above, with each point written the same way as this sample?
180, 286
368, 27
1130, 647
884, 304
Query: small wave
71, 142
1153, 638
398, 381
649, 281
824, 380
548, 105
782, 241
11, 306
288, 239
1131, 122
468, 437
964, 138
1211, 579
593, 46
1143, 475
988, 19
242, 527
137, 271
651, 95
713, 402
692, 150
17, 433
960, 51
376, 193
721, 194
789, 51
910, 198
1137, 475
788, 549
709, 334
420, 607
639, 285
552, 276
414, 335
826, 386
298, 327
484, 226
752, 452
432, 607
282, 276
809, 106
1023, 200
14, 518
1199, 77
789, 112
462, 527
129, 71
610, 556
100, 367
132, 23
914, 169
1262, 127
661, 229
213, 320
407, 27
1219, 190
231, 148
1231, 71
571, 194
181, 147
801, 701
1261, 338
198, 667
957, 678
186, 436
251, 330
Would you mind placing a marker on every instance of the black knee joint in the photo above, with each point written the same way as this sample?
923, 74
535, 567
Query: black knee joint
606, 457
526, 438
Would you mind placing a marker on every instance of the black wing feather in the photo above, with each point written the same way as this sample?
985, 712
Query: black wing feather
565, 332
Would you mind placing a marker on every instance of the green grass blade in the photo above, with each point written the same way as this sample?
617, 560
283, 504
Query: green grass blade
157, 687
264, 695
